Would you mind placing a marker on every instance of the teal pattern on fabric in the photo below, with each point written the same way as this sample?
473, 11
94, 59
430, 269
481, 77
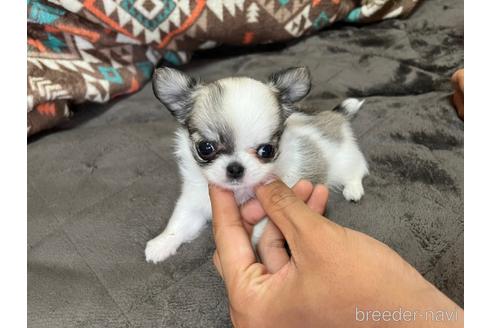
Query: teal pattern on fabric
111, 74
43, 14
146, 67
54, 43
321, 21
150, 24
354, 15
171, 57
73, 43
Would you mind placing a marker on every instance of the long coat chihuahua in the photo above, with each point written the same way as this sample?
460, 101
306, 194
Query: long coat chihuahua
238, 132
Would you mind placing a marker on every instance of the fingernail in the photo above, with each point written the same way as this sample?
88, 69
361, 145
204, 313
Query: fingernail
271, 178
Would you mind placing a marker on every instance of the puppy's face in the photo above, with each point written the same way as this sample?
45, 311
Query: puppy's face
234, 124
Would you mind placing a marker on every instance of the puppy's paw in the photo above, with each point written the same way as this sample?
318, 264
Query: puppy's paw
160, 248
353, 191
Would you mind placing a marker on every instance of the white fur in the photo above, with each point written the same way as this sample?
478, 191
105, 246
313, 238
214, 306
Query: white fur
351, 106
246, 107
346, 163
250, 109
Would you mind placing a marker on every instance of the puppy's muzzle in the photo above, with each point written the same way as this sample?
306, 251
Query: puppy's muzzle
235, 171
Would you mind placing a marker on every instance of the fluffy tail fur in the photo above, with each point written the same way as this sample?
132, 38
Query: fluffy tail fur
350, 106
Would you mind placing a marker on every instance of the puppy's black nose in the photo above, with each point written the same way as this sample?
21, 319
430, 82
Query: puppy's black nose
235, 170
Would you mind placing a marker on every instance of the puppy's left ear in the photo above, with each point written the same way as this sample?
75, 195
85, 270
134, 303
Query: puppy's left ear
174, 89
293, 83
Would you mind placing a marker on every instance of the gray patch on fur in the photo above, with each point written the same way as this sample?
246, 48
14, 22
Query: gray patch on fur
210, 98
293, 84
330, 124
174, 89
286, 109
314, 167
206, 123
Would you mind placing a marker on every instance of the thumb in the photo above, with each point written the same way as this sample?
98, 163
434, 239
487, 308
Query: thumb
289, 213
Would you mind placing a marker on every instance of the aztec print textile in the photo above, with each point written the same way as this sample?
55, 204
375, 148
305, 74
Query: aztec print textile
96, 50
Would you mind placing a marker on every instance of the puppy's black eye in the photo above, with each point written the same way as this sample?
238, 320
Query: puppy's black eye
265, 151
206, 150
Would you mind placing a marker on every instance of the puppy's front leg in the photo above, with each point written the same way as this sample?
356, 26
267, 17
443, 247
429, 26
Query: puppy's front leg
189, 217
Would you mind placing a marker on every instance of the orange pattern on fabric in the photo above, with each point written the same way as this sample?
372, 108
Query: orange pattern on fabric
89, 4
248, 37
316, 2
134, 87
200, 5
37, 44
91, 35
47, 109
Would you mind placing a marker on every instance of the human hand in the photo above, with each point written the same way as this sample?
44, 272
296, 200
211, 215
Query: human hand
458, 80
271, 246
332, 270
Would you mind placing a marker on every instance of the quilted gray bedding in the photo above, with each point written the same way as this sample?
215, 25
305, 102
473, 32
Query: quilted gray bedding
106, 182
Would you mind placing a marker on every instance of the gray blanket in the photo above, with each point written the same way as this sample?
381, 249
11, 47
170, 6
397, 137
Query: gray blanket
105, 183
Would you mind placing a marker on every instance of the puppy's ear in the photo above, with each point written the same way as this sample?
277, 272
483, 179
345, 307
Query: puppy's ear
174, 89
293, 83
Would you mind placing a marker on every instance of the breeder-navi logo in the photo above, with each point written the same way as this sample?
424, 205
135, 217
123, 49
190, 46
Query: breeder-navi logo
400, 314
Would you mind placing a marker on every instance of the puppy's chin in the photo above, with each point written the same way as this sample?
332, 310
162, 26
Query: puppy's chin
235, 185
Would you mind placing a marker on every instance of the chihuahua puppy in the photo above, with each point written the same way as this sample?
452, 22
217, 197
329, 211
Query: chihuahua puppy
238, 132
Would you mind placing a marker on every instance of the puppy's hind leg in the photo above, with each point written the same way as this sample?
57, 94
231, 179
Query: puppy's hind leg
189, 217
353, 175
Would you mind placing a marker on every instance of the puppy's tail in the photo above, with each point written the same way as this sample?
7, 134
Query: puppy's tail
350, 106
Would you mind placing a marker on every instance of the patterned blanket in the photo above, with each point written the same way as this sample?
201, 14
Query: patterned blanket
96, 50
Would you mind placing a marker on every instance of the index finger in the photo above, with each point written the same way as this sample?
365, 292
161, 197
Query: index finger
231, 239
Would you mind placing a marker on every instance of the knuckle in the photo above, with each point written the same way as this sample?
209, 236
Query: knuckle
276, 243
270, 246
280, 199
222, 229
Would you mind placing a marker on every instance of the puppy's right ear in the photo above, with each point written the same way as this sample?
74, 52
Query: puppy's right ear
174, 89
293, 83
